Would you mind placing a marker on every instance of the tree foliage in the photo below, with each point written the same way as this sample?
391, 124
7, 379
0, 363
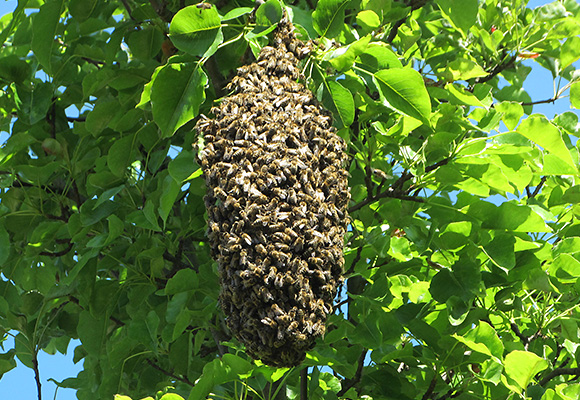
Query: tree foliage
463, 253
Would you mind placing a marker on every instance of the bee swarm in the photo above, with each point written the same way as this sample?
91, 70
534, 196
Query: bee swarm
277, 205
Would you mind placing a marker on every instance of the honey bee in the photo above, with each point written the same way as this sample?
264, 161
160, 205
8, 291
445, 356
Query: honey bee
293, 326
266, 295
247, 238
269, 322
271, 277
317, 262
277, 310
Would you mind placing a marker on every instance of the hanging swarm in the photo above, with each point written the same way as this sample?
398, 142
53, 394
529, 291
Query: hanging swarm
277, 205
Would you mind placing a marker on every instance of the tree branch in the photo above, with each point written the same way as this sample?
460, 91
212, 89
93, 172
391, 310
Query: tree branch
521, 336
559, 372
128, 8
498, 69
430, 389
170, 374
395, 190
36, 374
525, 340
349, 383
57, 253
355, 260
389, 193
217, 79
451, 393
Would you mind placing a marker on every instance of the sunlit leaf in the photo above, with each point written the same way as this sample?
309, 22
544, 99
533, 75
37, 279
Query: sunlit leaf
521, 366
404, 90
176, 94
542, 132
44, 30
194, 30
461, 13
328, 17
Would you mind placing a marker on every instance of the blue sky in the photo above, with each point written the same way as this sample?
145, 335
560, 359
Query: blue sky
20, 384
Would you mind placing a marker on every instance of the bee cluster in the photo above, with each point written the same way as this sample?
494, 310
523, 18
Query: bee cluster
277, 204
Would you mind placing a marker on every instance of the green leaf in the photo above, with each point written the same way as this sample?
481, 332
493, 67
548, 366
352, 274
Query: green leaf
483, 339
575, 95
116, 228
368, 20
328, 18
4, 245
508, 216
458, 95
14, 69
120, 155
236, 13
565, 267
171, 190
461, 13
377, 57
170, 396
101, 115
343, 101
521, 366
176, 94
404, 90
185, 280
343, 58
194, 30
7, 361
92, 332
146, 94
44, 30
33, 105
183, 166
217, 372
145, 43
81, 10
501, 250
542, 132
463, 69
512, 112
267, 14
569, 51
444, 285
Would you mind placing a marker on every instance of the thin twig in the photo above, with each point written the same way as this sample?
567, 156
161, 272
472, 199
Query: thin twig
76, 119
349, 383
128, 8
531, 103
169, 373
538, 188
57, 253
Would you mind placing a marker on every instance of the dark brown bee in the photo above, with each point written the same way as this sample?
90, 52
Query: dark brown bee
276, 204
204, 6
